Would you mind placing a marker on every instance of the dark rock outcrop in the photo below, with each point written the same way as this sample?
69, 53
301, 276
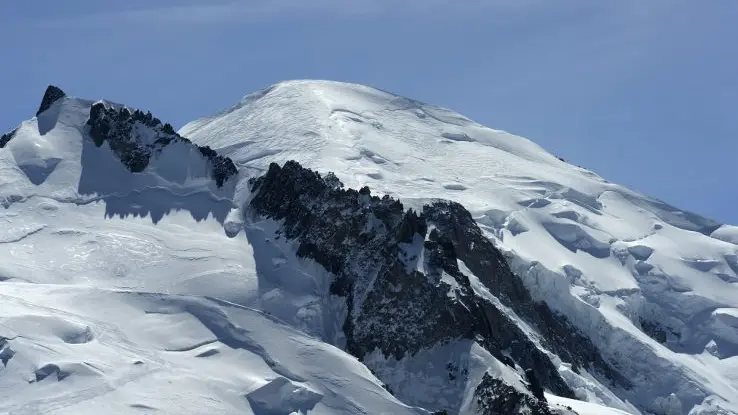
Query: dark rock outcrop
51, 95
497, 330
6, 352
534, 384
358, 238
494, 397
48, 370
489, 265
136, 136
373, 247
5, 138
222, 168
653, 330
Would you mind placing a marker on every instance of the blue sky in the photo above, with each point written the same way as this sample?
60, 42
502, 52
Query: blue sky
644, 92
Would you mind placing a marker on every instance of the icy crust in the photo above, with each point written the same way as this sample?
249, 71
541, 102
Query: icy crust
633, 349
399, 274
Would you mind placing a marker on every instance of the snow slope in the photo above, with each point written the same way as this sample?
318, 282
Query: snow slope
653, 286
157, 291
85, 350
122, 293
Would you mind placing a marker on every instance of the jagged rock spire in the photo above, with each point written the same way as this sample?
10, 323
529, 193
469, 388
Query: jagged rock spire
51, 95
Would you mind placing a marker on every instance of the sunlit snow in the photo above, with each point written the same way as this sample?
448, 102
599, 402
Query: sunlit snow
155, 291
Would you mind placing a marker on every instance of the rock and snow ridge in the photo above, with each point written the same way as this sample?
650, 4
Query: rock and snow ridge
134, 137
108, 290
645, 281
390, 268
623, 300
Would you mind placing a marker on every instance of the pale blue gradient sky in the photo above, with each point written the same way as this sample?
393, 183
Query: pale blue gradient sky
644, 92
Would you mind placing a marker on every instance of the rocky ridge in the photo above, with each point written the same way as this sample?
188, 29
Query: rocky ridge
134, 136
393, 265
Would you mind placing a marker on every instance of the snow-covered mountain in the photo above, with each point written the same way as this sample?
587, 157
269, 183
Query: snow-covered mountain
326, 248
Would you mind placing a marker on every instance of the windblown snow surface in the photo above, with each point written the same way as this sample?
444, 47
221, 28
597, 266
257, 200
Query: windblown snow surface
158, 292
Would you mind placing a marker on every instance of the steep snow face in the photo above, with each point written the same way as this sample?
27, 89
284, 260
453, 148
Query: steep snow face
654, 287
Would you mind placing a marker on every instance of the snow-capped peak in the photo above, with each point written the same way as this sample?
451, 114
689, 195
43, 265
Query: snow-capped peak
236, 265
652, 285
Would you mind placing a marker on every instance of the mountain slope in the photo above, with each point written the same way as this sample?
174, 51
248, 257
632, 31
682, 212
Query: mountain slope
139, 276
211, 271
647, 282
115, 286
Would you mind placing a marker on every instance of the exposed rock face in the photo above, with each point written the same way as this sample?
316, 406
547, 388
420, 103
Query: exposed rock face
494, 397
488, 263
51, 95
498, 332
48, 370
535, 386
357, 238
222, 168
5, 138
399, 303
6, 352
654, 330
135, 136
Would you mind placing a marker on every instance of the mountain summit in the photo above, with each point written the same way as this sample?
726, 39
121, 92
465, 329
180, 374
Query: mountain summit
324, 247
